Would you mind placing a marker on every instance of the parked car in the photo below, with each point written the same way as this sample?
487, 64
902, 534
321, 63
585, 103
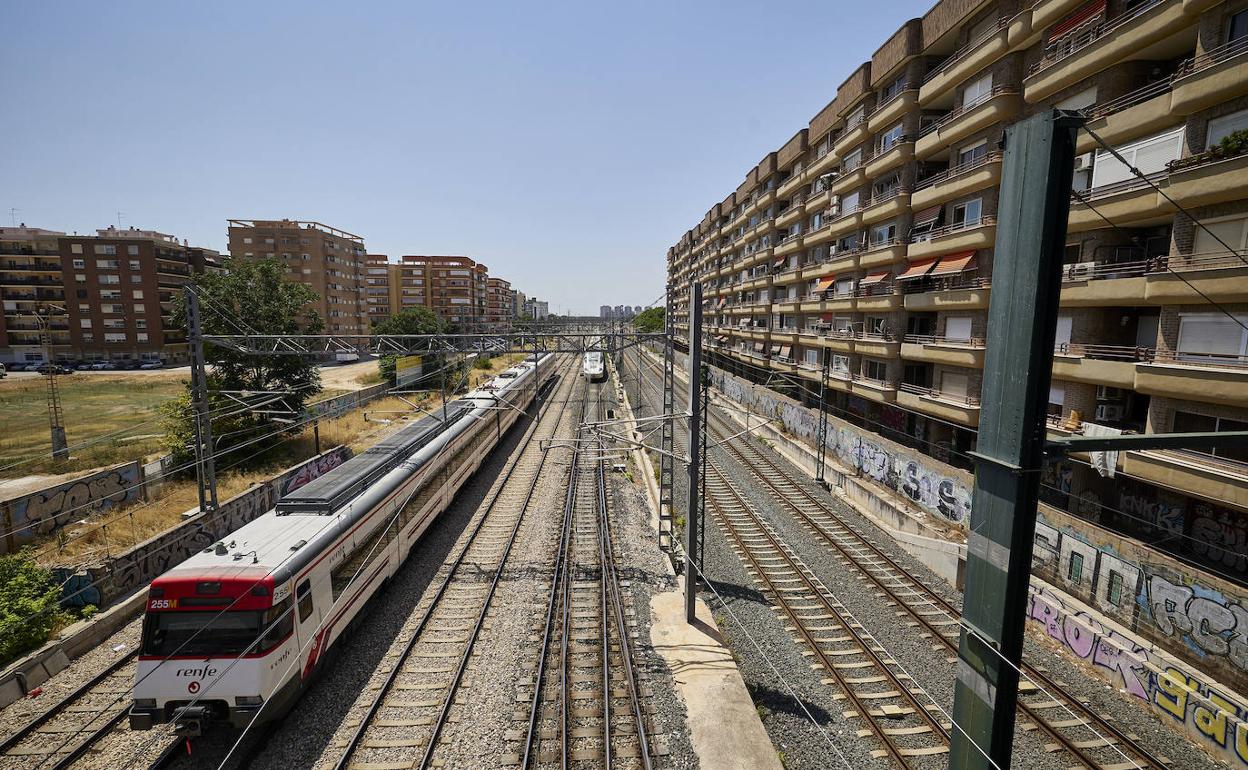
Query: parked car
153, 365
54, 369
32, 367
3, 372
84, 366
102, 365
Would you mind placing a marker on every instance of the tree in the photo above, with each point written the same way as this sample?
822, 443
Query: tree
414, 320
251, 296
650, 320
29, 605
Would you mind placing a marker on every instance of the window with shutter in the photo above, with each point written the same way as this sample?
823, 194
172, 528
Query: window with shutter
1064, 324
1232, 232
953, 384
958, 328
1211, 337
850, 203
977, 90
1079, 101
1149, 155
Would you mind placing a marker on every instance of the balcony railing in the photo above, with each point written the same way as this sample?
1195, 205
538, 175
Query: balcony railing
29, 282
890, 98
935, 393
952, 283
884, 144
958, 170
881, 289
967, 48
1105, 352
1213, 57
1183, 357
984, 220
1117, 188
1068, 45
940, 339
1138, 96
964, 108
885, 196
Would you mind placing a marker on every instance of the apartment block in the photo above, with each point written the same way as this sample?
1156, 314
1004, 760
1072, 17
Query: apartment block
109, 296
499, 304
859, 252
381, 282
332, 262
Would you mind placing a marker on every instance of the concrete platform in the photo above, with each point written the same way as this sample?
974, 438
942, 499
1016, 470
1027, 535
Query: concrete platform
724, 726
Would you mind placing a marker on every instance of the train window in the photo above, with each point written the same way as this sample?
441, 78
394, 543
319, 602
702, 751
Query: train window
305, 599
278, 622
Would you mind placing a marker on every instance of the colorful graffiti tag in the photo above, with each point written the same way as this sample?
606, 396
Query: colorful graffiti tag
39, 513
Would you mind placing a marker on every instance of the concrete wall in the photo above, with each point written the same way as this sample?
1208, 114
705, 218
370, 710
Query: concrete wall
1151, 626
103, 583
37, 514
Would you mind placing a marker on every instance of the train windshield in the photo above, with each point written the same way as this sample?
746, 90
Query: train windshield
213, 632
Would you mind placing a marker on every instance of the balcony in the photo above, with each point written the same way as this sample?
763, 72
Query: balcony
793, 213
1216, 76
1221, 276
1098, 364
961, 409
883, 253
789, 244
877, 345
1196, 473
1131, 201
851, 178
957, 293
817, 201
1143, 111
821, 164
852, 137
1089, 50
968, 353
885, 205
1045, 12
827, 302
878, 295
9, 281
890, 111
846, 221
837, 262
972, 234
1208, 178
880, 391
965, 62
977, 174
1208, 377
885, 158
1001, 104
788, 186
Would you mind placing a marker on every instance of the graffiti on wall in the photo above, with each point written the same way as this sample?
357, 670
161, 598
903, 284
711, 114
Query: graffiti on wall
1195, 621
908, 473
40, 513
310, 470
1202, 710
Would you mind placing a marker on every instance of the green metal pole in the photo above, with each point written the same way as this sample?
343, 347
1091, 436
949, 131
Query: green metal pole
1022, 318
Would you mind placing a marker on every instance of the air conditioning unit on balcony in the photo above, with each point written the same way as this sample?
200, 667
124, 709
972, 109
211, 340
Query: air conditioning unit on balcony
1109, 412
1107, 393
1083, 162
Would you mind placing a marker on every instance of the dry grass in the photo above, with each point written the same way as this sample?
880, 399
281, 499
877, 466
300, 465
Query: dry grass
93, 405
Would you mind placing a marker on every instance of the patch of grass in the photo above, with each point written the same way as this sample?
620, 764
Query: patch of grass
93, 405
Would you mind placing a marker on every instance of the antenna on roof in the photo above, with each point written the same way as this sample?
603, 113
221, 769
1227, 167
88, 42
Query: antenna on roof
13, 215
120, 216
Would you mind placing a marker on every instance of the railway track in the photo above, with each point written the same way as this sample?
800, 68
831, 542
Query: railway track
401, 725
74, 726
585, 705
1044, 704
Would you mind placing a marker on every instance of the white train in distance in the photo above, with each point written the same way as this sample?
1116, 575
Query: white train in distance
594, 366
235, 633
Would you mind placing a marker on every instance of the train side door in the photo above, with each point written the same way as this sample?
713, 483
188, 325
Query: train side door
307, 617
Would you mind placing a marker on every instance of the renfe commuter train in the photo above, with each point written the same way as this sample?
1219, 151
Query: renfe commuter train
594, 367
238, 629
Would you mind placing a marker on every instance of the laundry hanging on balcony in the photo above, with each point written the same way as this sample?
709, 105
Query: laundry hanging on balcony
918, 269
1104, 462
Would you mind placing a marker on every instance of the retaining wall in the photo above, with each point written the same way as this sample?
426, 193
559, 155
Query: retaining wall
37, 514
1158, 629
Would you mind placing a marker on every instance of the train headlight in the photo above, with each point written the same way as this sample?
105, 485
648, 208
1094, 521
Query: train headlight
248, 700
145, 703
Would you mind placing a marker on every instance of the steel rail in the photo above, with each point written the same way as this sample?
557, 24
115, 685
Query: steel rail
928, 597
719, 488
378, 701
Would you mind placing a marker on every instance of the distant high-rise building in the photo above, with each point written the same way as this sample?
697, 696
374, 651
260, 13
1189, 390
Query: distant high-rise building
332, 262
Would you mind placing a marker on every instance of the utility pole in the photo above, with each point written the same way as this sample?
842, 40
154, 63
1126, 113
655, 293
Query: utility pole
692, 523
668, 428
821, 443
1022, 320
205, 464
56, 416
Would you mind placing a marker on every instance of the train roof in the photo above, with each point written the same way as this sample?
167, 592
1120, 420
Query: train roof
282, 543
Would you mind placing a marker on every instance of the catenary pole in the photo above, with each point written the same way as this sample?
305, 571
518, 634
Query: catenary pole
692, 524
1037, 168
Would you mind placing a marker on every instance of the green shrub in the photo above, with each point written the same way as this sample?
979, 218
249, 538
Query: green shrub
29, 606
482, 362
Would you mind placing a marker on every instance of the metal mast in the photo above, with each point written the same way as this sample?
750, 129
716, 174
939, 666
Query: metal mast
668, 430
56, 417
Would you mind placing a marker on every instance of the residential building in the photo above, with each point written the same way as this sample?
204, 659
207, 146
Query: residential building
109, 296
538, 309
863, 247
332, 262
519, 302
380, 288
500, 304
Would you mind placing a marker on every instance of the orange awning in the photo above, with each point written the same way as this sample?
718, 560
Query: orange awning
786, 351
951, 264
873, 278
918, 269
825, 284
722, 302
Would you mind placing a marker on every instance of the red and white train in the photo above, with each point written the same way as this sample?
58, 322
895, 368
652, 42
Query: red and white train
240, 627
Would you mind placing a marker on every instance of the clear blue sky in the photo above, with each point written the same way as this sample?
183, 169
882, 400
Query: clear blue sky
565, 144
